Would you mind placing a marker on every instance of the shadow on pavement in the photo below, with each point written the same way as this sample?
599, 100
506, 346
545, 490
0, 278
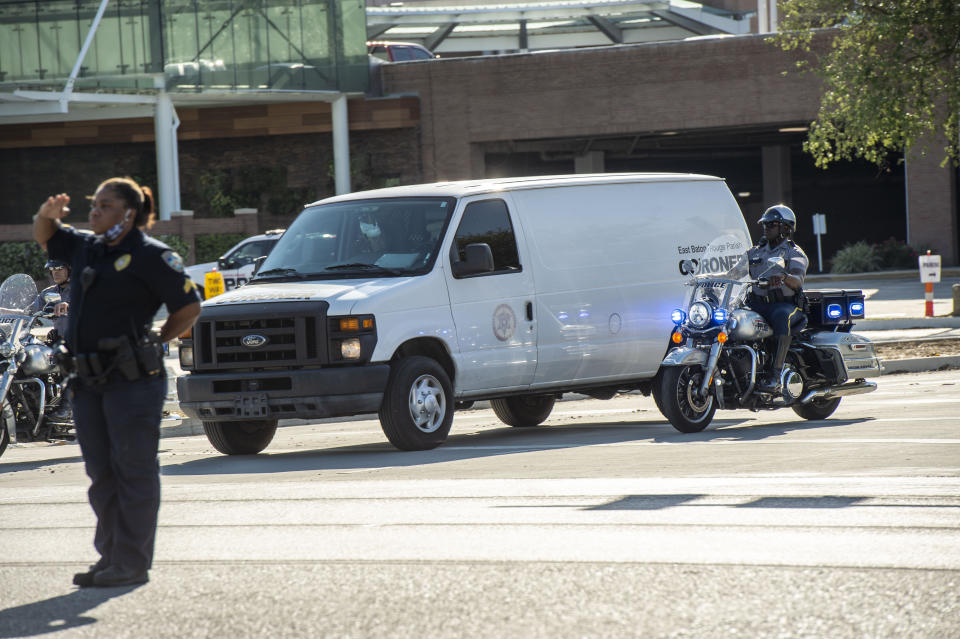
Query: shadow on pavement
488, 443
37, 464
738, 431
56, 613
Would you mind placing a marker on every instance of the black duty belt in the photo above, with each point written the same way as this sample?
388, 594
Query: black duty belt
119, 359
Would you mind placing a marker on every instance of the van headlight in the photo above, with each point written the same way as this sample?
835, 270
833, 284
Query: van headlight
186, 355
700, 314
350, 348
352, 338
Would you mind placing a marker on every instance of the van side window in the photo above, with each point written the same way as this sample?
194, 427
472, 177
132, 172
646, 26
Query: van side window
488, 222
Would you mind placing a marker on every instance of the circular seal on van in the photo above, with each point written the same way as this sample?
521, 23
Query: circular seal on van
615, 323
504, 322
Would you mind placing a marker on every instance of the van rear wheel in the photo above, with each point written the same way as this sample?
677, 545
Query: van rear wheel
417, 408
523, 410
240, 438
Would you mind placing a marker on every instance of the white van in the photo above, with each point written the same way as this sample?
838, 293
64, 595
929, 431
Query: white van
408, 300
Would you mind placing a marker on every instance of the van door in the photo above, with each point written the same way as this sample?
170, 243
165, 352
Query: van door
492, 311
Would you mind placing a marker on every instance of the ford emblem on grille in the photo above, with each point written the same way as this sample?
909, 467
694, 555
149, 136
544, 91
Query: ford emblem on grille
253, 341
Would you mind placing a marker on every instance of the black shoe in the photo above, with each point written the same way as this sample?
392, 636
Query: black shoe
113, 576
85, 579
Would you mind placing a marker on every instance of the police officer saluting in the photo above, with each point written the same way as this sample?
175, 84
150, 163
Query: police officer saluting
778, 301
121, 277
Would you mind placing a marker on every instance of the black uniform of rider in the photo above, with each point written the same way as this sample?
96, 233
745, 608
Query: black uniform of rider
778, 300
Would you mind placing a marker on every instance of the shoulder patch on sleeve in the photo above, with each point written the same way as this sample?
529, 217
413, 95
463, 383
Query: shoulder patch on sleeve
173, 260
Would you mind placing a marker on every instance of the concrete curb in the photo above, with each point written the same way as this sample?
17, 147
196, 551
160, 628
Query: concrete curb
945, 273
920, 364
905, 323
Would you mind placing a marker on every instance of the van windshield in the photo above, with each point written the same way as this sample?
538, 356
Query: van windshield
361, 238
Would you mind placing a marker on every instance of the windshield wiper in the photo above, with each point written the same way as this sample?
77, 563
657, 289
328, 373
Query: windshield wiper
280, 272
361, 266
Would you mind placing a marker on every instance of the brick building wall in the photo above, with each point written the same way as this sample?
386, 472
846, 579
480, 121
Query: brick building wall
641, 89
270, 157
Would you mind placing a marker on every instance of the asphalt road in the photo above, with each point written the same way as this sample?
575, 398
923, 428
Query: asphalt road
604, 522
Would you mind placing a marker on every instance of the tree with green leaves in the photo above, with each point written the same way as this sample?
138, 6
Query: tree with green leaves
891, 71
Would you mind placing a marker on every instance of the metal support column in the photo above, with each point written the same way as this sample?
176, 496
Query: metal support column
165, 124
341, 145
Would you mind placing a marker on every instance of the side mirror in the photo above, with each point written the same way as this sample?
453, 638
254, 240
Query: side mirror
774, 262
257, 263
478, 259
222, 263
51, 297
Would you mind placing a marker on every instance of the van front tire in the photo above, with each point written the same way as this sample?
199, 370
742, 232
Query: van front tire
417, 408
240, 438
523, 410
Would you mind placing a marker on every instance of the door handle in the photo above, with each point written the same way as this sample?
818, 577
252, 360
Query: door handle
529, 311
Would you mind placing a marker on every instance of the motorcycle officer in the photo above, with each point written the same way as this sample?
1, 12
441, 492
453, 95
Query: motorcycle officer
60, 274
778, 301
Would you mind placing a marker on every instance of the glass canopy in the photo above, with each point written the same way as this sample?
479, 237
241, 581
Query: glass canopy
187, 45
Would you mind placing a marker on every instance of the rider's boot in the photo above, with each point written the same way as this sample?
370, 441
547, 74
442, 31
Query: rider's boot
770, 382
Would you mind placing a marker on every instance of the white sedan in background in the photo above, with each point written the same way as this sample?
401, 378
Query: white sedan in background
237, 264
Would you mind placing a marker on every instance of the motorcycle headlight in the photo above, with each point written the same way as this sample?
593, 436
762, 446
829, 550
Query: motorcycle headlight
700, 314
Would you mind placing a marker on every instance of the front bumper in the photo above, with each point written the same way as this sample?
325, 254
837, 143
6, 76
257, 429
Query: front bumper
302, 393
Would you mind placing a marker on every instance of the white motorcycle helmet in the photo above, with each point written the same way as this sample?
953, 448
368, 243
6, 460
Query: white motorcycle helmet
780, 213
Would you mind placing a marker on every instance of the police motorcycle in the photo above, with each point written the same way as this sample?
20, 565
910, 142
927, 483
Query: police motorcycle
33, 368
719, 347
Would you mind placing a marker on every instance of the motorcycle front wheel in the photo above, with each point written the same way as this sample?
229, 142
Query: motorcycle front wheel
5, 414
679, 402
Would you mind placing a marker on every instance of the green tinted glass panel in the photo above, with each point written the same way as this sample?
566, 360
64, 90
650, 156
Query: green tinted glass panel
187, 45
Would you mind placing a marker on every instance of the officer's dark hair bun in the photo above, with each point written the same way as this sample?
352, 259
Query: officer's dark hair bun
132, 195
149, 208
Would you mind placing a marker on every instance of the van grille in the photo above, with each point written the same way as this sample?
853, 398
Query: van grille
259, 336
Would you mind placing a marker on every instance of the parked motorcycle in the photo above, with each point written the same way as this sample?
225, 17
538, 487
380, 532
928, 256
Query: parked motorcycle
33, 403
719, 347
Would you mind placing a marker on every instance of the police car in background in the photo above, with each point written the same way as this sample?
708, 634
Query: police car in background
236, 265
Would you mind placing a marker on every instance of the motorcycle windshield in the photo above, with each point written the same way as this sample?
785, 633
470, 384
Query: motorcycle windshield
18, 295
721, 274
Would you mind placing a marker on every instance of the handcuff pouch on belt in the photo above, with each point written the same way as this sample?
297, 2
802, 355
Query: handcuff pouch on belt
119, 354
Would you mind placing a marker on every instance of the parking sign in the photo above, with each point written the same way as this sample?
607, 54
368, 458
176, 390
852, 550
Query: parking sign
929, 268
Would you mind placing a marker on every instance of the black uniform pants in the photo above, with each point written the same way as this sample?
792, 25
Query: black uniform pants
118, 428
783, 317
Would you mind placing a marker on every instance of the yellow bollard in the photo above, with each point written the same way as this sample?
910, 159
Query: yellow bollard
212, 284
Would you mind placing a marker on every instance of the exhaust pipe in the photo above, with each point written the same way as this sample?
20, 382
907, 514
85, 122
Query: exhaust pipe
832, 392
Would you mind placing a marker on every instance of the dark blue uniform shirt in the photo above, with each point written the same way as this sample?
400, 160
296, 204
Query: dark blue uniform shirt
129, 283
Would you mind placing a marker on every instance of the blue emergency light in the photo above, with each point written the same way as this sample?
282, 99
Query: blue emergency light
678, 316
834, 311
856, 309
720, 315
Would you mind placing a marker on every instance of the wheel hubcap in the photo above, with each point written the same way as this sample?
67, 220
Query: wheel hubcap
428, 404
694, 407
